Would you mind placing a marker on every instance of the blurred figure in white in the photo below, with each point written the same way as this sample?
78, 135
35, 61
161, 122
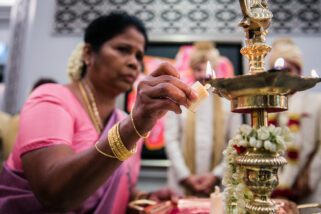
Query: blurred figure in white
300, 179
195, 141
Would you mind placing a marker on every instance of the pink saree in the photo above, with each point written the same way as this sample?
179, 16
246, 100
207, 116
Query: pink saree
52, 115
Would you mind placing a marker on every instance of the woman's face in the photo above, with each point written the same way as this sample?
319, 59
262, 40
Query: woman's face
116, 66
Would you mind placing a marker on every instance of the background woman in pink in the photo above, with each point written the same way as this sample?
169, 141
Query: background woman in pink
73, 148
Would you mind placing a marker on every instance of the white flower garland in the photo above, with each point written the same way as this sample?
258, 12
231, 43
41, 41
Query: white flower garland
75, 63
271, 138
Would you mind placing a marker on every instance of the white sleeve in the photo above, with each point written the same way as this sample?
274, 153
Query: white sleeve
173, 135
315, 175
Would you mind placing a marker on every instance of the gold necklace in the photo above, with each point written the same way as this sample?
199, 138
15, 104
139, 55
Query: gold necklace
94, 105
95, 119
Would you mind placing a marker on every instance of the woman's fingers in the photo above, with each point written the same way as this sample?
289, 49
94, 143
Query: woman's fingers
165, 69
163, 91
190, 93
168, 91
165, 105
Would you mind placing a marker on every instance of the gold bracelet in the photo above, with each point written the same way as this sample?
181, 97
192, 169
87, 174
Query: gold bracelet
117, 146
101, 152
113, 142
133, 123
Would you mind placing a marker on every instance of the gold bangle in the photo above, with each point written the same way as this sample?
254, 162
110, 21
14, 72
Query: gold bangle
117, 146
133, 123
101, 152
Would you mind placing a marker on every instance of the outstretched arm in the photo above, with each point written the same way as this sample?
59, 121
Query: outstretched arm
63, 179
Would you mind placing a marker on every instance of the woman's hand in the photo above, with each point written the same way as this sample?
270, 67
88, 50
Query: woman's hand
158, 93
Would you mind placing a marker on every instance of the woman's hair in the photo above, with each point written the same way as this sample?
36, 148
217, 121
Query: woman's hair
97, 33
107, 27
203, 52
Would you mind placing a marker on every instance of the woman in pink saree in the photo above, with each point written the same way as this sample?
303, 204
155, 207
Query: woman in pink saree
76, 152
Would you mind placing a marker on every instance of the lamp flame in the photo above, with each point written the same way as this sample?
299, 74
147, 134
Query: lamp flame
208, 70
213, 74
314, 74
210, 73
279, 63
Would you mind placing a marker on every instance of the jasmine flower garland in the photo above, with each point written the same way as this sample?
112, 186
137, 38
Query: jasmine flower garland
271, 138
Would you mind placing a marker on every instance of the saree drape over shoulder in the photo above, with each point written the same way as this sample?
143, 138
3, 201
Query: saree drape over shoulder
52, 116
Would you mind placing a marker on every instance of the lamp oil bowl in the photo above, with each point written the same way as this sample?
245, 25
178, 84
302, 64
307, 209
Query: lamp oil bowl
266, 90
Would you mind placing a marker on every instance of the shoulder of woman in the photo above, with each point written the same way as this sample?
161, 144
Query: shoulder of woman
49, 89
50, 93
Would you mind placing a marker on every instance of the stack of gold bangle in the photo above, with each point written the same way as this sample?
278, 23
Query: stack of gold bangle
117, 146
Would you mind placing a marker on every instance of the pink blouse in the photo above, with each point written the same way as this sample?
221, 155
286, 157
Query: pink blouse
51, 116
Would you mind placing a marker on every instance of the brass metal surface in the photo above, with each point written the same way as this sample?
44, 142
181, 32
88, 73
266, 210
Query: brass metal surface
259, 93
256, 21
272, 82
250, 103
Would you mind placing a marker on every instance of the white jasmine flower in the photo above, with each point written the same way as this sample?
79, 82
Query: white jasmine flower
234, 152
252, 142
237, 137
243, 143
280, 141
235, 176
245, 129
75, 63
271, 128
224, 153
267, 145
263, 133
259, 144
225, 182
273, 147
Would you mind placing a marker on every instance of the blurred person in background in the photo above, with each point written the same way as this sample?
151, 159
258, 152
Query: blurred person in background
300, 179
195, 141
